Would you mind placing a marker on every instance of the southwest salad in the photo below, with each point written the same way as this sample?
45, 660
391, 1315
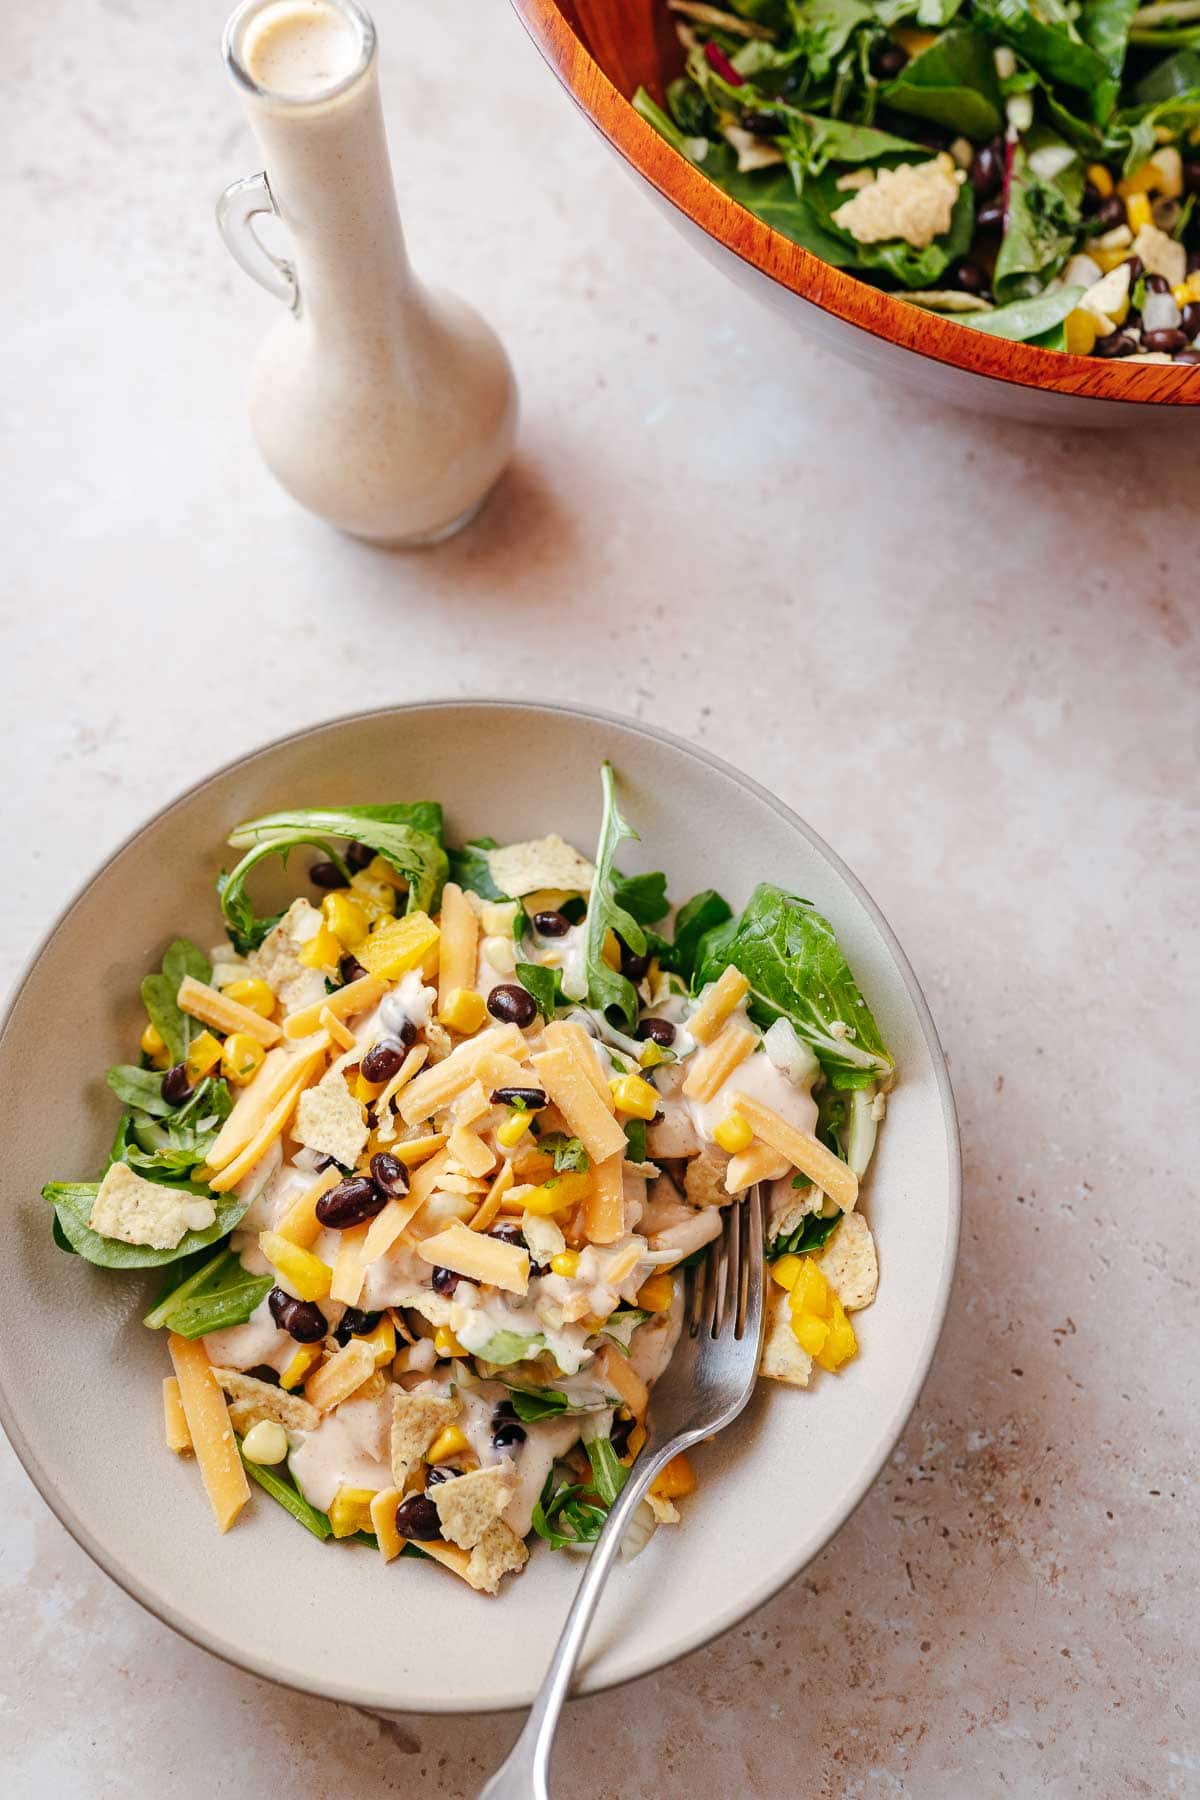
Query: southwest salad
1028, 167
422, 1158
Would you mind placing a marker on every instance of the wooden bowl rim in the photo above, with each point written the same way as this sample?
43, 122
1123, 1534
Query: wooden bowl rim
841, 295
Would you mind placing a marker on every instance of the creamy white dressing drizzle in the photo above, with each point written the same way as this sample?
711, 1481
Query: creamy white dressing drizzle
758, 1077
346, 1450
257, 1343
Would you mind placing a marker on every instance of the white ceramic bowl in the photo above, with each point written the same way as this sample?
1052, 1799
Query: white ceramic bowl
80, 1378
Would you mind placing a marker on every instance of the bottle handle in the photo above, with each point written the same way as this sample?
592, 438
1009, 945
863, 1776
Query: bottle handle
237, 208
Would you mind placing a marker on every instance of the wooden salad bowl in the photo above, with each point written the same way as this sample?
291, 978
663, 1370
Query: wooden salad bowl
602, 50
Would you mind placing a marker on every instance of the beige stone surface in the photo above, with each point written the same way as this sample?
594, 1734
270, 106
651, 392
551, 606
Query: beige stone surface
966, 652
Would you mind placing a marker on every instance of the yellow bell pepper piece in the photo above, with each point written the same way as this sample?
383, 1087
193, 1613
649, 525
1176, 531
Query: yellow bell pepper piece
306, 1273
346, 918
786, 1270
657, 1293
675, 1480
451, 1441
322, 951
397, 945
302, 1365
557, 1194
350, 1511
809, 1332
840, 1344
204, 1053
382, 1341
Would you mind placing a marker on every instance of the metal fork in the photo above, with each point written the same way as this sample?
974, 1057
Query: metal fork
704, 1387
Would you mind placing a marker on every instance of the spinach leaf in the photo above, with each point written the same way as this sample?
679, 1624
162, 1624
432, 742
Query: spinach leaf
796, 970
545, 985
915, 268
608, 989
1041, 224
644, 897
1045, 38
175, 1143
568, 1153
1104, 24
185, 1279
61, 1239
72, 1203
471, 869
409, 836
635, 1139
824, 28
221, 1305
175, 1028
289, 1497
953, 83
1023, 320
812, 1233
1170, 79
609, 1473
141, 1088
703, 912
563, 1517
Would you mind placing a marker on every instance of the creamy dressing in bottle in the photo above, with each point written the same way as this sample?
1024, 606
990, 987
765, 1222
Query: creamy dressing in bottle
388, 409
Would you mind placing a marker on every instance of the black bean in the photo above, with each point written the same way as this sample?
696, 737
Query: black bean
355, 1323
326, 875
1091, 200
445, 1281
622, 1430
991, 216
1155, 284
443, 1472
1193, 261
764, 124
633, 966
301, 1319
987, 169
417, 1517
1111, 212
551, 924
383, 1059
508, 1234
528, 1099
389, 1175
1136, 267
1189, 319
1191, 177
175, 1085
512, 1004
359, 855
887, 60
350, 1202
350, 969
1117, 343
508, 1435
1188, 356
657, 1031
970, 278
1169, 341
505, 1410
263, 1372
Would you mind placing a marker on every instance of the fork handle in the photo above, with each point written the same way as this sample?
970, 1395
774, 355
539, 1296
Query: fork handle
525, 1772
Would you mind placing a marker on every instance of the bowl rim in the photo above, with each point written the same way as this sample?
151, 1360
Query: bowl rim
833, 291
128, 1579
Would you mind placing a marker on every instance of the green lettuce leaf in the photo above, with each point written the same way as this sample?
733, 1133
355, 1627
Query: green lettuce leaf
1023, 320
608, 989
953, 83
471, 869
176, 1028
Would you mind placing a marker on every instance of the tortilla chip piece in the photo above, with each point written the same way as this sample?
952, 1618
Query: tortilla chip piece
470, 1504
330, 1120
416, 1421
849, 1263
665, 1511
253, 1400
277, 959
704, 1177
498, 1551
547, 862
782, 1357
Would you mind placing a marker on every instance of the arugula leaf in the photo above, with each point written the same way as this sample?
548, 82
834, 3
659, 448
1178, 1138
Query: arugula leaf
568, 1153
644, 897
609, 1473
534, 1404
507, 1347
72, 1203
620, 1326
288, 1496
545, 985
176, 1028
812, 1233
470, 868
953, 83
409, 836
796, 969
563, 1505
1022, 320
608, 989
1042, 221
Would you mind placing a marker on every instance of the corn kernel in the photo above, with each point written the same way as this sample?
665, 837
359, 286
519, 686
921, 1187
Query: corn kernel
302, 1365
1100, 179
152, 1043
514, 1129
809, 1332
322, 951
450, 1441
376, 900
1107, 260
652, 1054
496, 918
265, 1442
252, 993
565, 1263
1181, 294
350, 1511
499, 953
657, 1293
304, 1272
840, 1344
633, 1095
675, 1480
1142, 181
445, 1342
733, 1134
346, 919
557, 1194
786, 1270
241, 1056
382, 1341
204, 1053
1193, 285
1139, 212
1080, 332
397, 945
463, 1012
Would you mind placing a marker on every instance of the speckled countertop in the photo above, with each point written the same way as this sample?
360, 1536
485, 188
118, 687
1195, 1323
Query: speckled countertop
966, 652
